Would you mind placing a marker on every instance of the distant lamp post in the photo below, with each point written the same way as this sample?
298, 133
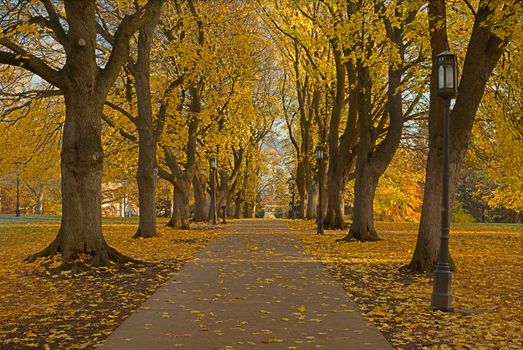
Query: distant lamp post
319, 217
17, 212
292, 183
212, 164
446, 89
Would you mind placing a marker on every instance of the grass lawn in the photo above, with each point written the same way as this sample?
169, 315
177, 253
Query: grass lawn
42, 307
487, 284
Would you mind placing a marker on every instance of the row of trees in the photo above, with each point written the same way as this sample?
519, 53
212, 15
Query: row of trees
155, 88
358, 78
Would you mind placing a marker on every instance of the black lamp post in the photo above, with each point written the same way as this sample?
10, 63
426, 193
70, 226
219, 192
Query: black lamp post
446, 89
17, 212
292, 183
212, 163
319, 218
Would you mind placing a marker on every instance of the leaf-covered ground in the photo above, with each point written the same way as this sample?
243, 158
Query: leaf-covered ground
42, 307
487, 285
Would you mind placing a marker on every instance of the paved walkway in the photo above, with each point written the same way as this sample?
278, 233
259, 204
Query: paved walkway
252, 288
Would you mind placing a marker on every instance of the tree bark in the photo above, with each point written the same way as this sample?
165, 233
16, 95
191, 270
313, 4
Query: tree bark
200, 198
81, 170
336, 172
362, 227
483, 52
312, 198
238, 200
301, 186
40, 203
182, 211
147, 143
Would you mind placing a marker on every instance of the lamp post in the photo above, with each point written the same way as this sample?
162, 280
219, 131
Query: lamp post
17, 212
212, 163
446, 89
292, 183
319, 217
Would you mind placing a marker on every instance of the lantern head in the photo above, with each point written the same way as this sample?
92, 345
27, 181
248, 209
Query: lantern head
212, 162
447, 75
319, 152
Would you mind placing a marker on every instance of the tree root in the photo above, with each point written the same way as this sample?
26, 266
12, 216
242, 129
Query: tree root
139, 234
51, 250
175, 225
367, 236
105, 256
420, 265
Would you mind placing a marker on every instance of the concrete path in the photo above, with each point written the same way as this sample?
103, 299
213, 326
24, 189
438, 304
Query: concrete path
252, 288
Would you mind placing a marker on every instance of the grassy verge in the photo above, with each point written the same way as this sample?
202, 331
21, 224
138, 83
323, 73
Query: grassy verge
44, 308
487, 285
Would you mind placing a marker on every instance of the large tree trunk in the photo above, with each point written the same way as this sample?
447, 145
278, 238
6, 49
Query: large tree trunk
146, 174
238, 200
302, 190
362, 227
200, 199
182, 211
336, 185
483, 52
81, 170
312, 198
336, 174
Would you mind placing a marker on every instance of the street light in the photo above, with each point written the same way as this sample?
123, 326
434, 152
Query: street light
292, 183
212, 164
319, 218
446, 89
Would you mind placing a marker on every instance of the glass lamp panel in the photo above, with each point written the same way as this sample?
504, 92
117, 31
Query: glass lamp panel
441, 78
449, 77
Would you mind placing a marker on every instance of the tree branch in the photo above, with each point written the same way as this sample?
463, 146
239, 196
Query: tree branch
122, 132
21, 58
120, 52
54, 24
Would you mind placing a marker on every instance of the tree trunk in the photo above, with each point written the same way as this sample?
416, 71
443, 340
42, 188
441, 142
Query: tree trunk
238, 208
336, 185
301, 186
200, 199
312, 198
248, 210
40, 203
483, 52
182, 210
81, 170
146, 174
362, 227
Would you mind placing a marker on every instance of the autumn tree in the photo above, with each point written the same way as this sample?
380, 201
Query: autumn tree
84, 85
380, 128
494, 22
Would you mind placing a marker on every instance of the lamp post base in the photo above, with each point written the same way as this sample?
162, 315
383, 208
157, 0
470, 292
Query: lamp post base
441, 290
